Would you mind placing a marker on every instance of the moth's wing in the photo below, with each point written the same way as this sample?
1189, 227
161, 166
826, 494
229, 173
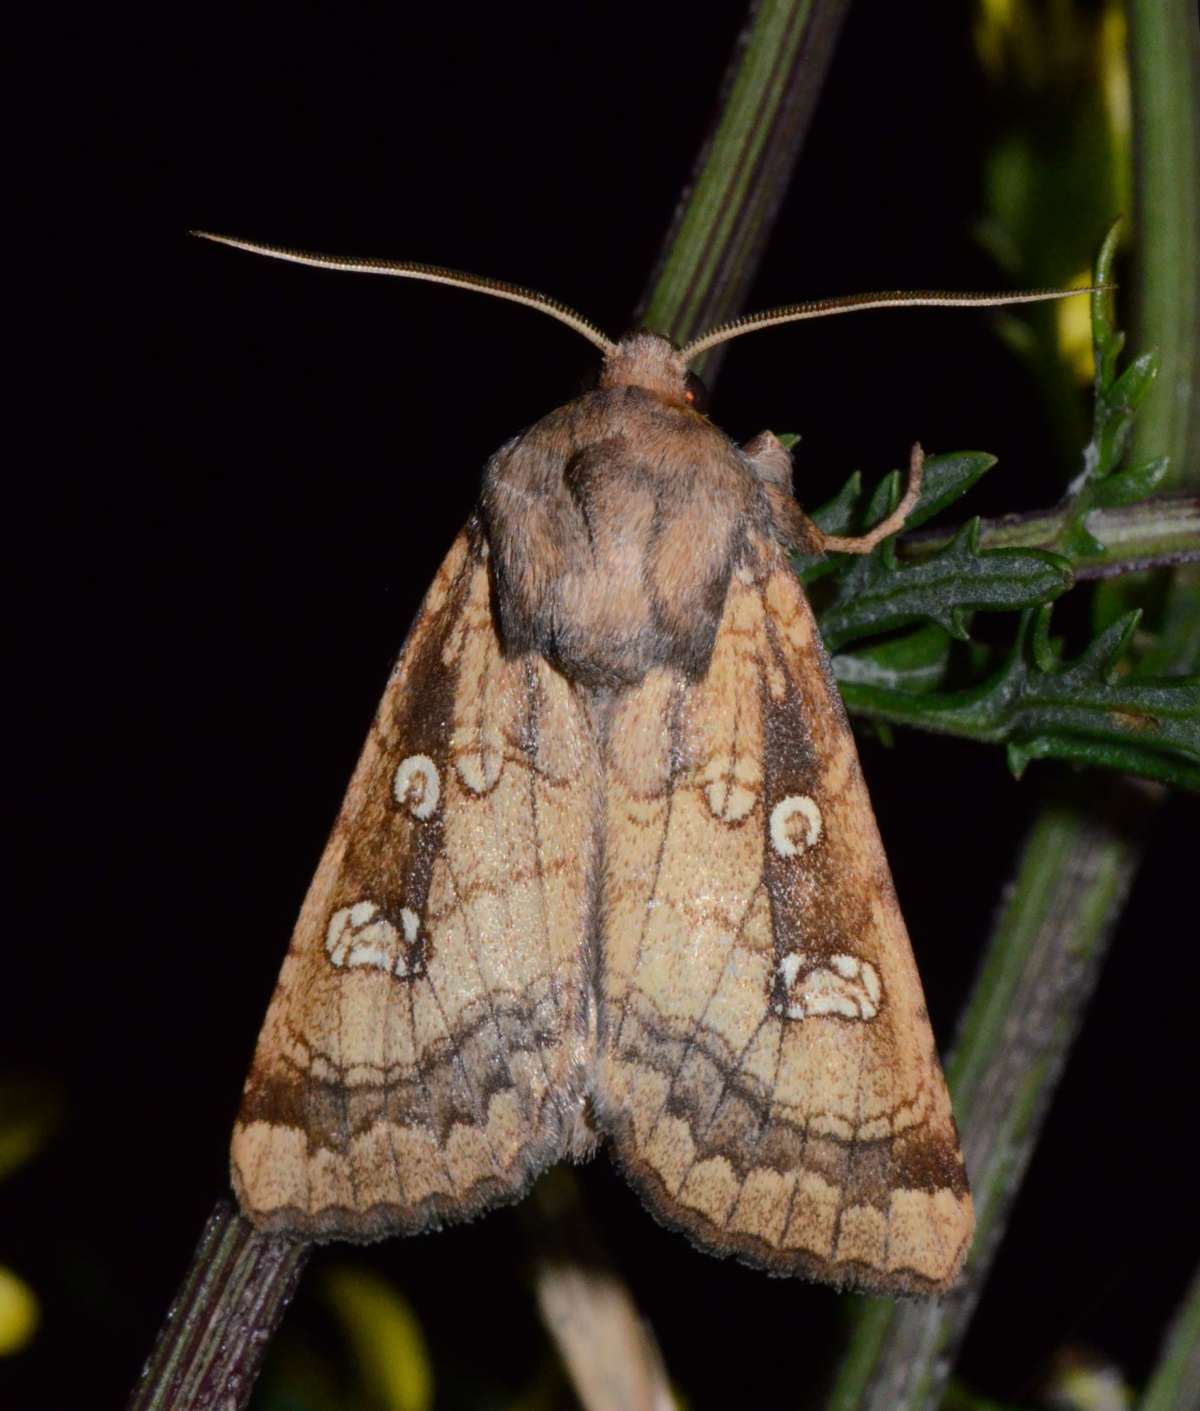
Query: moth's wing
768, 1073
423, 1055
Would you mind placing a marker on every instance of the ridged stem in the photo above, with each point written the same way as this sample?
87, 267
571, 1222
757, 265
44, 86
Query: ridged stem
216, 1332
727, 210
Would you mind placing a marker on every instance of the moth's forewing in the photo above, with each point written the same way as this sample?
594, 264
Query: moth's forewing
769, 1075
424, 1053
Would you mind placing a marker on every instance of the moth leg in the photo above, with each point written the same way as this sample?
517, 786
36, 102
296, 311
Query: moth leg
771, 462
864, 543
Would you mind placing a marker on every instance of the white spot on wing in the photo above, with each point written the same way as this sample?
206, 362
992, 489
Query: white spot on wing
789, 967
871, 983
795, 825
841, 985
416, 785
360, 936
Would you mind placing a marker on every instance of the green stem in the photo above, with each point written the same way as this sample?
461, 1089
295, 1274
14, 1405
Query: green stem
1151, 534
1175, 1382
719, 233
1165, 51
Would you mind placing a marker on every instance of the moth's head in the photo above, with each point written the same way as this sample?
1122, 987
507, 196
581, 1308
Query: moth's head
655, 364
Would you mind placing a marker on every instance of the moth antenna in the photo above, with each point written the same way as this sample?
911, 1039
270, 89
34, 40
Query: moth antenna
432, 274
853, 303
864, 543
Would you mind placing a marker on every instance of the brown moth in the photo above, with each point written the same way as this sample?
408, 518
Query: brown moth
607, 868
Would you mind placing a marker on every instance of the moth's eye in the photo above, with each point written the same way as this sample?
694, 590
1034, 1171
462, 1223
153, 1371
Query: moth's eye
695, 393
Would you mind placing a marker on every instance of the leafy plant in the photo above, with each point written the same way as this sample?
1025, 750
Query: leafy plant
900, 629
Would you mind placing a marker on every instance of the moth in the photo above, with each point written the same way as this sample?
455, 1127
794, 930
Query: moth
607, 870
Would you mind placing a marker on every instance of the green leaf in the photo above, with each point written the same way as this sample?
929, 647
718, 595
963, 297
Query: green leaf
878, 593
1077, 541
946, 478
1129, 486
884, 499
837, 516
1084, 711
1115, 410
1117, 398
1031, 700
1129, 390
1107, 341
915, 662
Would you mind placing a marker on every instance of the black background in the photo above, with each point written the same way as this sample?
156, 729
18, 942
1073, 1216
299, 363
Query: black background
244, 474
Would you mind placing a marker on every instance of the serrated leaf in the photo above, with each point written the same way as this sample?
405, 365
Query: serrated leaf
1083, 711
946, 478
878, 594
1099, 658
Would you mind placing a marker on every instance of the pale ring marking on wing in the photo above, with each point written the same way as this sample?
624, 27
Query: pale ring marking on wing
480, 767
731, 786
416, 786
842, 985
784, 838
359, 935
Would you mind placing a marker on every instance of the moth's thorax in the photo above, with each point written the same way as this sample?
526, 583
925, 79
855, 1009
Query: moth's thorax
649, 361
614, 524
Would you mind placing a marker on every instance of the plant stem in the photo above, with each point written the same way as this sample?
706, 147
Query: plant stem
1152, 534
216, 1333
1165, 52
1175, 1383
1037, 977
725, 215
